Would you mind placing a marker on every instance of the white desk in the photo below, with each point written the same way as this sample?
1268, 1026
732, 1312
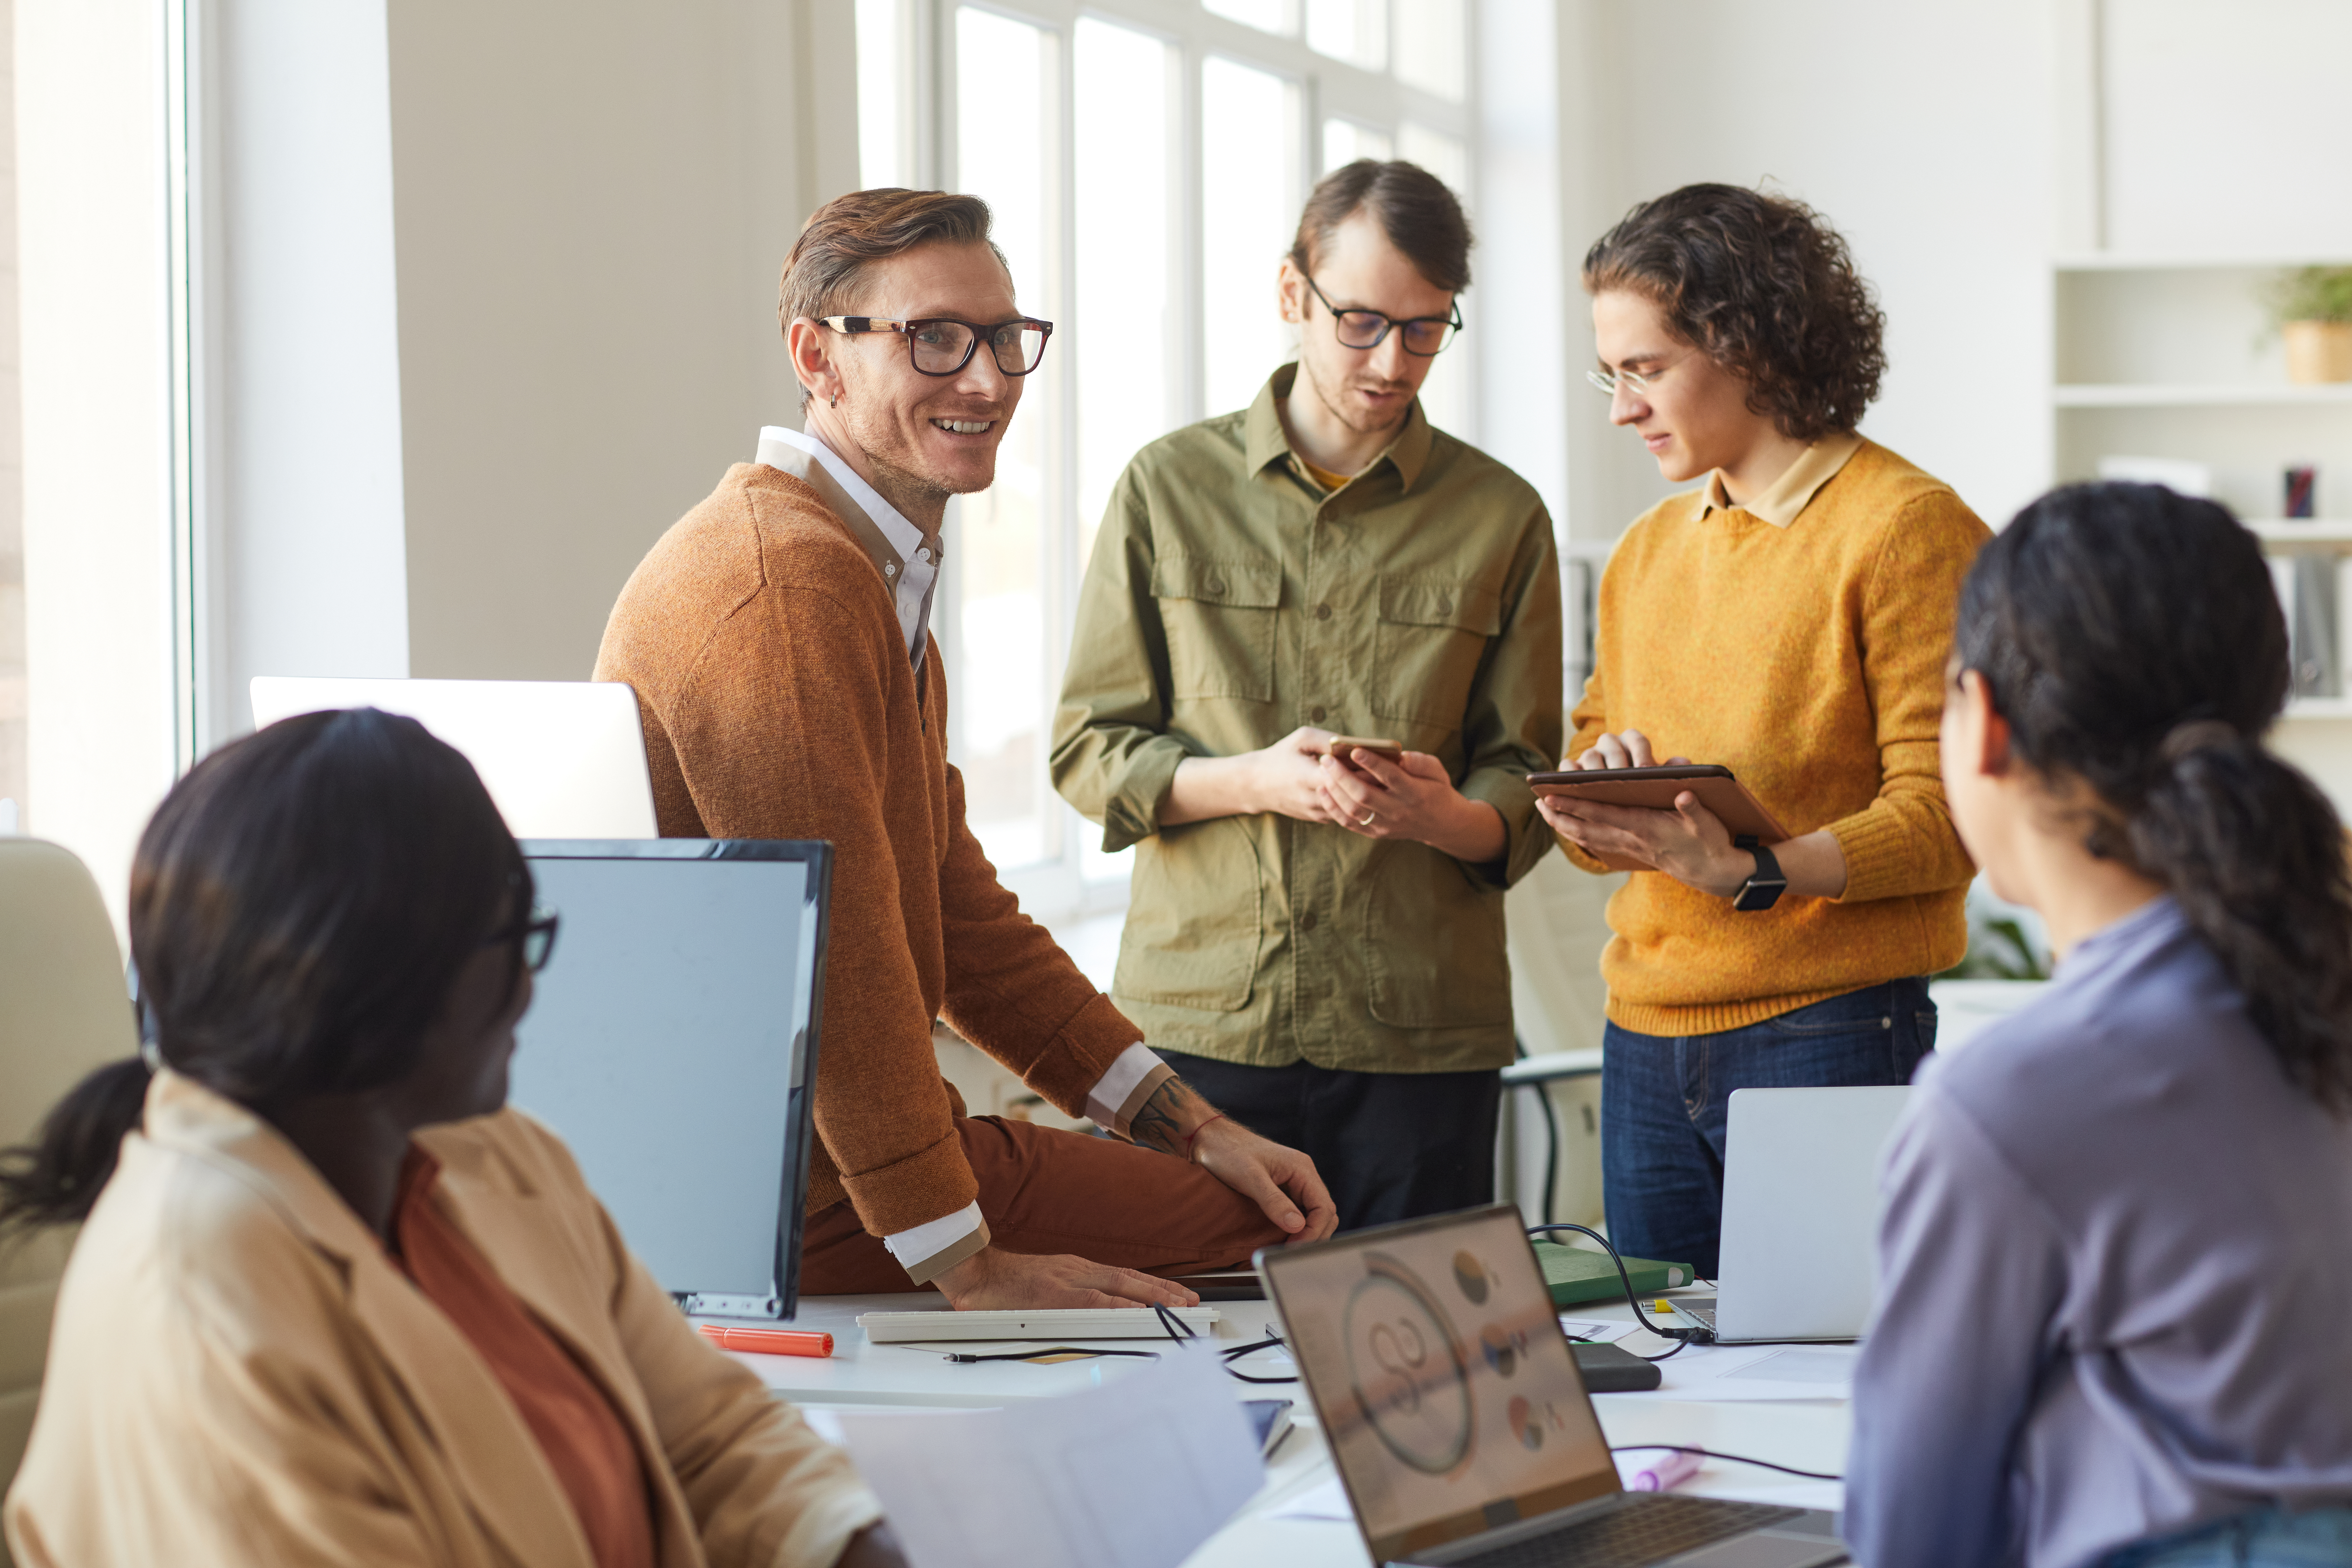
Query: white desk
1809, 1434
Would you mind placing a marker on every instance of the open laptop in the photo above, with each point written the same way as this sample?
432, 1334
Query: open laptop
1459, 1426
1799, 1215
562, 759
672, 1043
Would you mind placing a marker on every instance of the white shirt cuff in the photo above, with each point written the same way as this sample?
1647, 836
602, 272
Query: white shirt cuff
933, 1236
1109, 1095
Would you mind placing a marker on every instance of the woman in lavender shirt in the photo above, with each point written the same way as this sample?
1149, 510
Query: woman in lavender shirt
2115, 1266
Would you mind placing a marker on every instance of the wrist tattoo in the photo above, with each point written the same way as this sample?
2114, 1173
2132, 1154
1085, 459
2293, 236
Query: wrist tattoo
1159, 1121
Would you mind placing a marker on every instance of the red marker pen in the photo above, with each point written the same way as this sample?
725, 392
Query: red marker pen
767, 1342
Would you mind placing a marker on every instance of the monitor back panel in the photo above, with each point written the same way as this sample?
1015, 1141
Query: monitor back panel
672, 1044
1801, 1211
562, 759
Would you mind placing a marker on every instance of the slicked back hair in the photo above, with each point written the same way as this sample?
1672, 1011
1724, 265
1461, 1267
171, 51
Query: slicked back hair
844, 239
1413, 207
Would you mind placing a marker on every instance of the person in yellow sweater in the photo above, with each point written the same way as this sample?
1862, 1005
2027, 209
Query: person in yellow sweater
1789, 619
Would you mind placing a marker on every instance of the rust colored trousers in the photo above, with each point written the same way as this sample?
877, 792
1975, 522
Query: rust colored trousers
1046, 1190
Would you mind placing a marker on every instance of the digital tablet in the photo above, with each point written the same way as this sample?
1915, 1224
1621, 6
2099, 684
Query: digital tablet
1655, 788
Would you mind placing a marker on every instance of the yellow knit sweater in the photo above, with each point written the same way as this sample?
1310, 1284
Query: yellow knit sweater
1810, 660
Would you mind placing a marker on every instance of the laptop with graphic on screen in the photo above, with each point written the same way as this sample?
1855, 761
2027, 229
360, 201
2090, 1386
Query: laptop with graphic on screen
1459, 1422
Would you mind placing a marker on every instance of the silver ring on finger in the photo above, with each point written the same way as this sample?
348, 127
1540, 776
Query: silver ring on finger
1366, 820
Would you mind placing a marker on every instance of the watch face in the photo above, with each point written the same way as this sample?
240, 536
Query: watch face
1410, 1375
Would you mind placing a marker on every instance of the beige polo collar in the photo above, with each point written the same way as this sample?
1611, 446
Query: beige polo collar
1789, 494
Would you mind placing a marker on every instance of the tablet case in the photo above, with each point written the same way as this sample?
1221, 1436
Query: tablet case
1655, 788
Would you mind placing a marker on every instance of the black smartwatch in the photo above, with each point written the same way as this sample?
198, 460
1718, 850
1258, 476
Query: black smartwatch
1763, 890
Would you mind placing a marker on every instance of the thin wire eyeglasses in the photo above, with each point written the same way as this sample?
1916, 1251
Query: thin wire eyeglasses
1425, 336
536, 933
1632, 381
942, 345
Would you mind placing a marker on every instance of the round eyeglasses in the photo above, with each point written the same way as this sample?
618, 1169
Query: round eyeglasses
1632, 381
1423, 335
942, 345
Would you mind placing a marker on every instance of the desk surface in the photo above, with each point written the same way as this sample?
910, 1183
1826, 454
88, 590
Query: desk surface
1810, 1434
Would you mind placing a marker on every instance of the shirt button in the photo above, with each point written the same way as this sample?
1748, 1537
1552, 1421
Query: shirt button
1215, 584
1315, 714
1444, 606
1306, 921
1322, 612
889, 571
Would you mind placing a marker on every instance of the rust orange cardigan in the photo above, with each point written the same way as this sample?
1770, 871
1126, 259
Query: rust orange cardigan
779, 702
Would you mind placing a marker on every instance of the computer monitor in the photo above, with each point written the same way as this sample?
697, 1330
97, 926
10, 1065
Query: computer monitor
562, 759
672, 1043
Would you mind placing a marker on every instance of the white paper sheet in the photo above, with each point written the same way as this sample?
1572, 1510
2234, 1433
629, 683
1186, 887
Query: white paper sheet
1598, 1330
1747, 1373
1133, 1475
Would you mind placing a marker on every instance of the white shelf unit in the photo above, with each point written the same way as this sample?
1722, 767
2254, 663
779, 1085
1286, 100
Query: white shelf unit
2172, 356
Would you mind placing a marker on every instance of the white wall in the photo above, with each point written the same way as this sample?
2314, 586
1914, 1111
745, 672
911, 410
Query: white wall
90, 142
594, 199
1924, 133
2221, 129
304, 511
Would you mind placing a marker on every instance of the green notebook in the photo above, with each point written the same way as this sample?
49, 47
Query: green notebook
1576, 1275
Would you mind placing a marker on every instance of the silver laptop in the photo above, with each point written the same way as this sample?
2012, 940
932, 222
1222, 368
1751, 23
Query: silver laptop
1460, 1426
1799, 1214
562, 759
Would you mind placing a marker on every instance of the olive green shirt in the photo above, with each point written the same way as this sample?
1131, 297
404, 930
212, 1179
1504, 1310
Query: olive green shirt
1230, 600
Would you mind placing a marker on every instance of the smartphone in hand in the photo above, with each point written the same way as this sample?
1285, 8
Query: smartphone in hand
1345, 747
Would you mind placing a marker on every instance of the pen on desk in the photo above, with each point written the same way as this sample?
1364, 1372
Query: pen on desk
767, 1342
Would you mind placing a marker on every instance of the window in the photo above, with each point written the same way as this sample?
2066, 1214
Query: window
1146, 161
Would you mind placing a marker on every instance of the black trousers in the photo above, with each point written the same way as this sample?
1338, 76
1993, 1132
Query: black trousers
1391, 1146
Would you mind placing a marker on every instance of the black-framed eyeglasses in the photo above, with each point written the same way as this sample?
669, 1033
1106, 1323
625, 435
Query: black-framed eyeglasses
942, 345
1423, 335
535, 934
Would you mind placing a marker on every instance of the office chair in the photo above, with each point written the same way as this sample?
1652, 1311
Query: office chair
64, 1010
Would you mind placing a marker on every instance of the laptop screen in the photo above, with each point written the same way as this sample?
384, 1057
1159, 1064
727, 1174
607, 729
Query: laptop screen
1446, 1390
672, 1044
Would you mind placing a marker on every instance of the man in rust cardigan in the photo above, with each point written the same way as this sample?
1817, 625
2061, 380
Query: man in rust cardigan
778, 637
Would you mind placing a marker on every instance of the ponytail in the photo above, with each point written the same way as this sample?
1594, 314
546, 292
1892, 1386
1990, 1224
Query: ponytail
2131, 639
55, 1179
2254, 856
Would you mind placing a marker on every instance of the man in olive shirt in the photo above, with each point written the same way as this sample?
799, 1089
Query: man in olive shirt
1317, 944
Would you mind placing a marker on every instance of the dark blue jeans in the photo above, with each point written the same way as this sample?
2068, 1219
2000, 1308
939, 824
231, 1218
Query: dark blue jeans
1664, 1101
2263, 1538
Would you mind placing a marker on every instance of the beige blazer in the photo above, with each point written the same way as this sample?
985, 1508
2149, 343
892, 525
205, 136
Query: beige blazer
241, 1376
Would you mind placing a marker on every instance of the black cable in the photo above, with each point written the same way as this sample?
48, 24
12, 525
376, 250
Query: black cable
1735, 1459
1272, 1341
1049, 1350
1686, 1336
1169, 1324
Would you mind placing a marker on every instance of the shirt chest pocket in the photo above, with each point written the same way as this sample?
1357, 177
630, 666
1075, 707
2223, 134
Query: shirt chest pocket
1426, 647
1218, 616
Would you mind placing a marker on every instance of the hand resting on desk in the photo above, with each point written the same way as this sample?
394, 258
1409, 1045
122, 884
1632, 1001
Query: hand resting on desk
1175, 1120
1689, 843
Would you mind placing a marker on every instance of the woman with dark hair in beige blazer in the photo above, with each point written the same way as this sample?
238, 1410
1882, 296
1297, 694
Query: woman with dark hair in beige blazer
336, 1303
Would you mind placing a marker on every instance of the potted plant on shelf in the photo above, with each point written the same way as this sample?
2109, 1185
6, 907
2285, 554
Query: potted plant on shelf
2312, 307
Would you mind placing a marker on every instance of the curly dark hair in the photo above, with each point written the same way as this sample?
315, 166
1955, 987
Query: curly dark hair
1763, 287
2131, 638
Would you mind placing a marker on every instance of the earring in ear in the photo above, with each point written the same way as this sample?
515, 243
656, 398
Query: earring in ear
836, 401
